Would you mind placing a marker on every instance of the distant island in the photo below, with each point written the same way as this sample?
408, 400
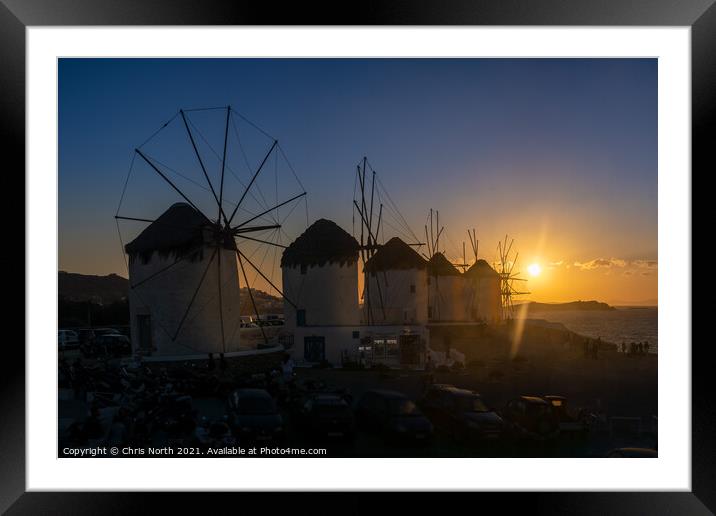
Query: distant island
572, 306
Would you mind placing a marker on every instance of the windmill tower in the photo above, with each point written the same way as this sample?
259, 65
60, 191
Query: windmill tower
394, 275
508, 277
482, 291
446, 285
186, 263
320, 276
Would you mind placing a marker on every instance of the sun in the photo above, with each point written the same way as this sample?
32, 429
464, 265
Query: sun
534, 269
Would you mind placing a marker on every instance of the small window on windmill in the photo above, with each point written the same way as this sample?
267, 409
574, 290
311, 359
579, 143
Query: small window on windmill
301, 317
356, 334
304, 268
412, 289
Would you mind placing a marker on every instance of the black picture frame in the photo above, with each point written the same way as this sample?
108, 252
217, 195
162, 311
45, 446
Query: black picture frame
700, 15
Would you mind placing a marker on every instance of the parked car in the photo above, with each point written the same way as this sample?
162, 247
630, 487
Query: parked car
394, 416
107, 345
461, 413
302, 390
174, 414
106, 331
531, 416
326, 415
633, 453
570, 422
214, 434
85, 335
67, 340
253, 416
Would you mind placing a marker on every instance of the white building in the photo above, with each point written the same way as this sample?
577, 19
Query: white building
395, 286
320, 287
446, 291
320, 277
170, 315
483, 298
404, 296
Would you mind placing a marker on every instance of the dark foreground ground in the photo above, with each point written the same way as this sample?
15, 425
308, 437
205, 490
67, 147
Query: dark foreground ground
612, 387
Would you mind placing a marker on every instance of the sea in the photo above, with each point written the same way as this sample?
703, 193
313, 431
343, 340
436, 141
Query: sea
624, 324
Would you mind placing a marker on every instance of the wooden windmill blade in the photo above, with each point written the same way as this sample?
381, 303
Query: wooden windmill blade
193, 297
437, 237
251, 296
219, 234
514, 263
380, 218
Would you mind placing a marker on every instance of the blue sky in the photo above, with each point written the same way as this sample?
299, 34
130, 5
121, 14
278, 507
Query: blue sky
559, 153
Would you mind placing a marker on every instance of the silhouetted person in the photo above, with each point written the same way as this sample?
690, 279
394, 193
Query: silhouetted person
287, 368
212, 365
222, 362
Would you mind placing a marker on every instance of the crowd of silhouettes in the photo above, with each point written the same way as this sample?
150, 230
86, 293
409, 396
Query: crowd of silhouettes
138, 405
635, 348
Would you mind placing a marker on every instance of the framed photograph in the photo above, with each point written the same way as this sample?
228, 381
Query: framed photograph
444, 249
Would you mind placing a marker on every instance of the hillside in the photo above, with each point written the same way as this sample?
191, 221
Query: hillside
265, 302
85, 287
105, 290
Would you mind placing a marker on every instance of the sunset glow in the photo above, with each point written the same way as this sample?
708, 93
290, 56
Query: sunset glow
534, 269
466, 137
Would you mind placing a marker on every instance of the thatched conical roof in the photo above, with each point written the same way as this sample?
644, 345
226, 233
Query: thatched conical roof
323, 242
481, 269
177, 231
438, 265
395, 255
